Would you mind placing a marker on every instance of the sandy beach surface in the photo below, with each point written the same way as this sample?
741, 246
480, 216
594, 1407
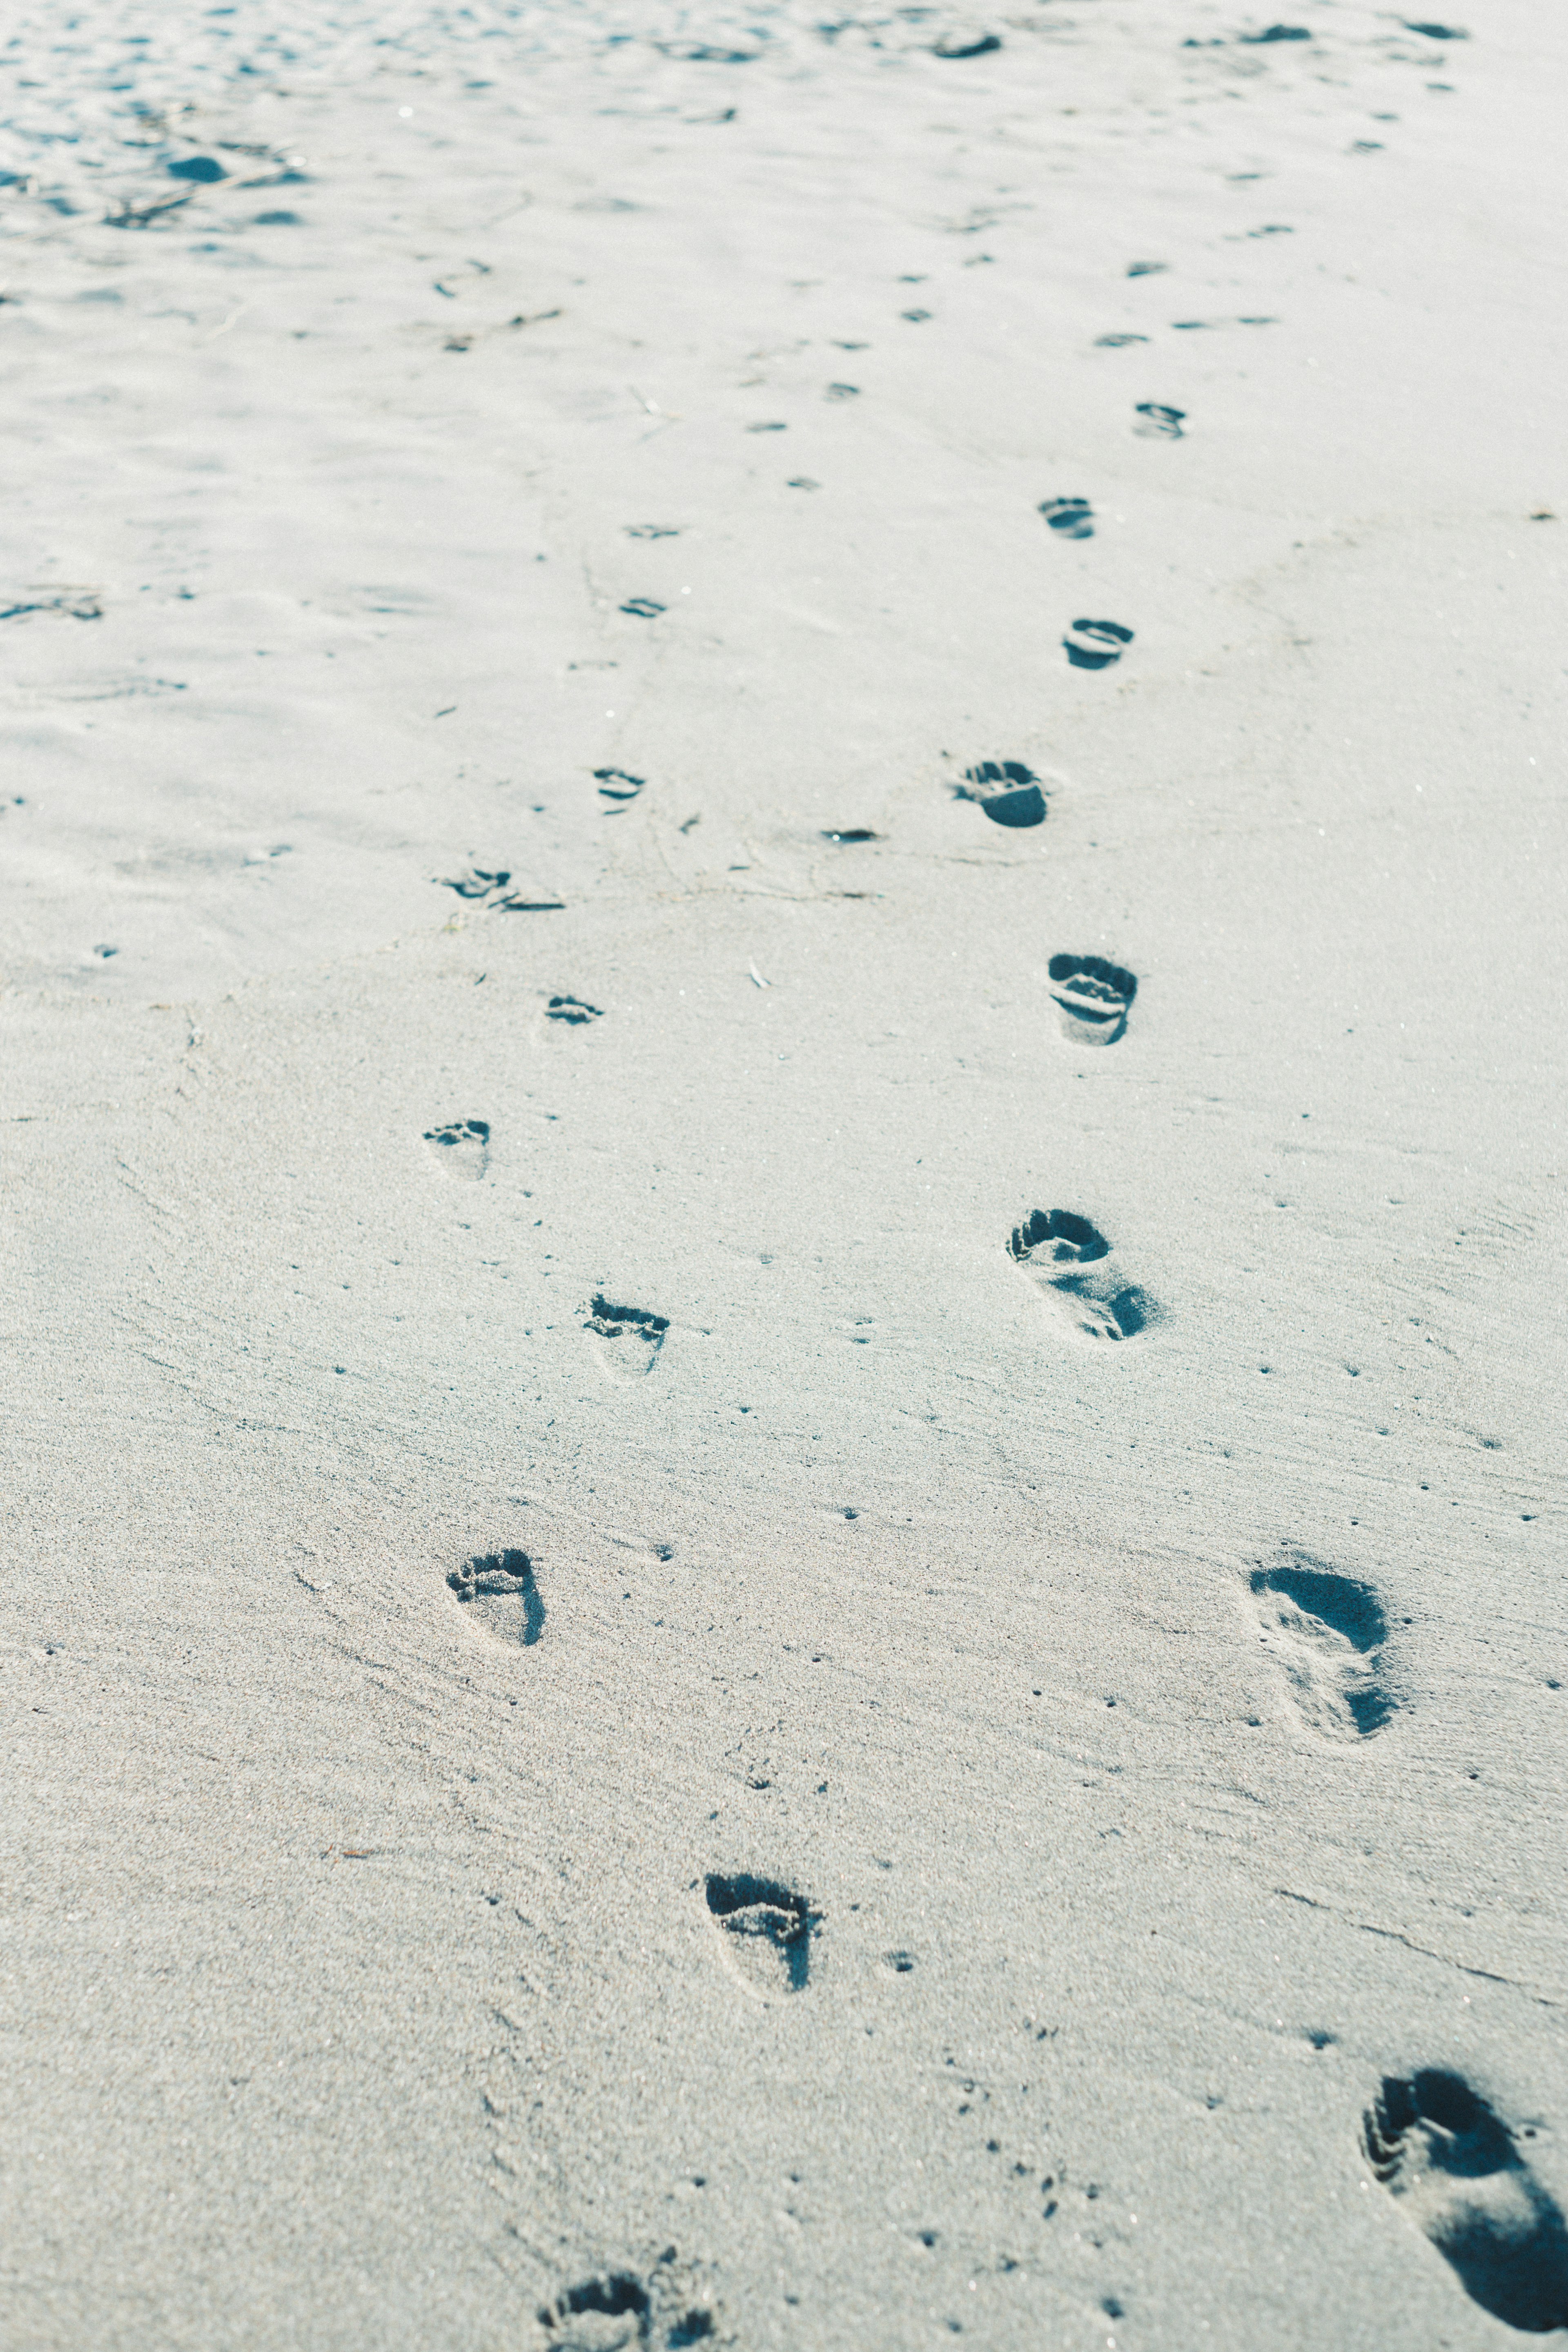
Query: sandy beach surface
784, 1172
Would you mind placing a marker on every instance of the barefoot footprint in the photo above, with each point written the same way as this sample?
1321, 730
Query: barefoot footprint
463, 1148
501, 1589
1008, 791
629, 1338
1053, 1246
766, 1930
1455, 2165
1325, 1631
1093, 998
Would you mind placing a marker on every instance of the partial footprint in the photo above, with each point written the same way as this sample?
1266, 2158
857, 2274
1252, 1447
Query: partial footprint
1053, 1246
1093, 998
1073, 517
464, 1148
630, 1337
615, 785
1325, 1630
1095, 645
503, 1594
573, 1010
766, 1930
1435, 2142
1008, 791
605, 2315
1160, 424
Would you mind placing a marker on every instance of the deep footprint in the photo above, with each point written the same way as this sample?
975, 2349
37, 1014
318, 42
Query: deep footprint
767, 1930
573, 1010
1325, 1630
1072, 518
1053, 1246
463, 1149
1092, 997
501, 1589
1435, 2142
1008, 791
1095, 645
630, 1337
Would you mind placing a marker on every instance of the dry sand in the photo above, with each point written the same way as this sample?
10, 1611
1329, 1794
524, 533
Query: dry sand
902, 1790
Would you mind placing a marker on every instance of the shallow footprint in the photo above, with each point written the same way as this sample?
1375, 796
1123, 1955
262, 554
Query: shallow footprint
766, 1930
1093, 998
1073, 517
1053, 1246
1009, 793
1325, 1630
1160, 422
631, 1336
1435, 2142
502, 1591
1095, 645
463, 1149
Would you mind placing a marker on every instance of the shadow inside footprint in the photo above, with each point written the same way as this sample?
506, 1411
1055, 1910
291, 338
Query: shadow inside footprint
1160, 422
502, 1584
766, 1928
601, 2316
573, 1010
1008, 792
1434, 2140
1095, 645
1072, 518
462, 1147
1325, 1629
1092, 996
1051, 1245
635, 1333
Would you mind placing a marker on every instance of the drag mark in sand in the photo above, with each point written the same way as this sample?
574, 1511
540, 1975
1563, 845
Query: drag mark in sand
1054, 1247
1325, 1631
1007, 791
766, 1930
629, 1338
1092, 997
1434, 2141
503, 1591
462, 1147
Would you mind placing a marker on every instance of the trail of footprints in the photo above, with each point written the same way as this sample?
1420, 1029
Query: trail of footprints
1447, 2157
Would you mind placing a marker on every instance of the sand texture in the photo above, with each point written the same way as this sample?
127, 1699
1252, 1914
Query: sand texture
783, 901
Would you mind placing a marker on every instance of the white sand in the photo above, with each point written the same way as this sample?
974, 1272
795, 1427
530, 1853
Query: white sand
363, 1988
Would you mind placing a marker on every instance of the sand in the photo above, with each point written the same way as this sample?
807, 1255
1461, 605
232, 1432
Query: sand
739, 1609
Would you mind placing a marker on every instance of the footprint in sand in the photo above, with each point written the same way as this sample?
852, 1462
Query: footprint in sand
766, 1930
501, 1591
1160, 422
629, 1338
1437, 2145
573, 1010
1093, 998
615, 785
619, 2309
1055, 1248
463, 1149
1071, 518
1326, 1629
1009, 793
1095, 645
